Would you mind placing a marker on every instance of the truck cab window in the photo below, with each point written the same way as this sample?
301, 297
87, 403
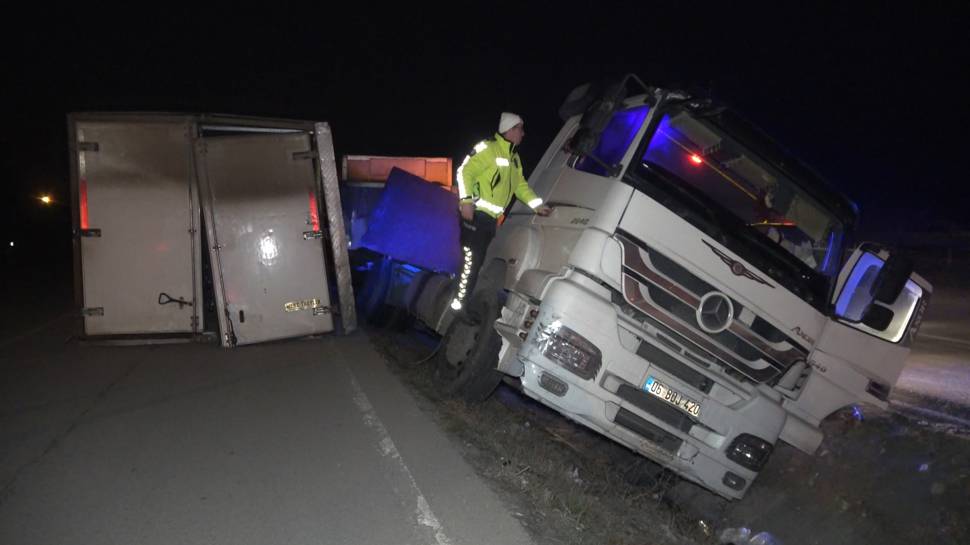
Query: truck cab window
615, 141
730, 176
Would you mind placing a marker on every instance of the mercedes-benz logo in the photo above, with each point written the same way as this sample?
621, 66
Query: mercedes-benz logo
715, 312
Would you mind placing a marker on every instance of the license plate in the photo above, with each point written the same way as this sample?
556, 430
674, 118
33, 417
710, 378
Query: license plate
675, 398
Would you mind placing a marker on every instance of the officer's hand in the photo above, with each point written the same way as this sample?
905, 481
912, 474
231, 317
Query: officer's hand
467, 211
544, 210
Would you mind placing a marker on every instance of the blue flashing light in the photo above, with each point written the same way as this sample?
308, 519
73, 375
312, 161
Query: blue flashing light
616, 139
619, 134
857, 413
829, 251
658, 143
670, 148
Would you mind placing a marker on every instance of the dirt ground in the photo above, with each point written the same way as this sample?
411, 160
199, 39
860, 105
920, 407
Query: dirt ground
880, 477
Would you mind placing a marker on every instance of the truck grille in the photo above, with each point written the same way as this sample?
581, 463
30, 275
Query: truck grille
669, 364
669, 295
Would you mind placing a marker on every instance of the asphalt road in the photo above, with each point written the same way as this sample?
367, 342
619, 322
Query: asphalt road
936, 380
305, 441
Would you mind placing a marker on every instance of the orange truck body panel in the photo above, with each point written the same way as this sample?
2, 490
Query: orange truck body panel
370, 168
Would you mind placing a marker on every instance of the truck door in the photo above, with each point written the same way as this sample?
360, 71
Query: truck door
136, 226
261, 196
872, 327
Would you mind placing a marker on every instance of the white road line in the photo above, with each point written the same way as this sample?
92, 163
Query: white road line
423, 512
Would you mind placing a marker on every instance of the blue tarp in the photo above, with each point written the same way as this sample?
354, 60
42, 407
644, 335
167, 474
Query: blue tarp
415, 222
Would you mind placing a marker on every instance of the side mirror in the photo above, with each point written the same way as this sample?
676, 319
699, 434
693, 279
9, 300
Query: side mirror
880, 296
892, 278
577, 101
596, 118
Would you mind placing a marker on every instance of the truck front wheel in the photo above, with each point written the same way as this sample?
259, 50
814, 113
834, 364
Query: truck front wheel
466, 365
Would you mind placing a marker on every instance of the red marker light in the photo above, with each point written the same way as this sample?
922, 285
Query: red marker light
696, 159
314, 212
83, 198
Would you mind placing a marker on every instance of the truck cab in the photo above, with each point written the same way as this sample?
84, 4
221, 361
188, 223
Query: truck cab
694, 295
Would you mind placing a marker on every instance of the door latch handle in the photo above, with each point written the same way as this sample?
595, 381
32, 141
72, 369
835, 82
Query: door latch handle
165, 299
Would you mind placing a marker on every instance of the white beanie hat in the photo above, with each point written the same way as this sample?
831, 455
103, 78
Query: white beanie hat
507, 121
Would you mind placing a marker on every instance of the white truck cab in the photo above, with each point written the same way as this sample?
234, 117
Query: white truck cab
692, 295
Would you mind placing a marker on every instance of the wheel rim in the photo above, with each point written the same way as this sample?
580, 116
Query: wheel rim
456, 366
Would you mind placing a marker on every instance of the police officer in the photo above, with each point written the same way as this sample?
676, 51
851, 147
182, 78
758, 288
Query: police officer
488, 179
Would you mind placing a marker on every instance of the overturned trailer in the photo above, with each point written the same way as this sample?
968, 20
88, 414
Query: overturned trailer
187, 225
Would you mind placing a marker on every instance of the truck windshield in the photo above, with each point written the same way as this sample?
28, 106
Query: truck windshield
747, 198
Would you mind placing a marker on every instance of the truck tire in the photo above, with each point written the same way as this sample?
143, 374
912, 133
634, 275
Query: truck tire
434, 300
465, 367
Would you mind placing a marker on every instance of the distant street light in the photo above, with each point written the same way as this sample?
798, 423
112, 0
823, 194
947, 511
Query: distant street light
11, 244
46, 199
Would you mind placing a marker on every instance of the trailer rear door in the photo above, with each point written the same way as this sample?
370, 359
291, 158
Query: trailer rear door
137, 236
262, 210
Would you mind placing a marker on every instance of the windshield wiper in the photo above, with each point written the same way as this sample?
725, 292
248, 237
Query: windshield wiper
554, 204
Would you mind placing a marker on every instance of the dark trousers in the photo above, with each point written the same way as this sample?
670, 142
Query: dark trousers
476, 235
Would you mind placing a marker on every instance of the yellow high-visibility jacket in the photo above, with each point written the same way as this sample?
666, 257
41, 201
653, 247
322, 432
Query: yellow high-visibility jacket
491, 175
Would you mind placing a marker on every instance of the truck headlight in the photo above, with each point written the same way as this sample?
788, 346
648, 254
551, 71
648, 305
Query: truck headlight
569, 349
749, 451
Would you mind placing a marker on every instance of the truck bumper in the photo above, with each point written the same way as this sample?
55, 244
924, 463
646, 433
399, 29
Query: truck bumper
614, 402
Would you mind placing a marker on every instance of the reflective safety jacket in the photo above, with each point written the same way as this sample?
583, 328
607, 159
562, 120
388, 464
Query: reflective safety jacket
491, 175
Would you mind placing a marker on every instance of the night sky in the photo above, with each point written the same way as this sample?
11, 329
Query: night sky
875, 98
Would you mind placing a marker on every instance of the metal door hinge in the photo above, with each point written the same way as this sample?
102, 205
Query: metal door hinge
299, 155
96, 233
92, 311
88, 146
195, 323
307, 235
